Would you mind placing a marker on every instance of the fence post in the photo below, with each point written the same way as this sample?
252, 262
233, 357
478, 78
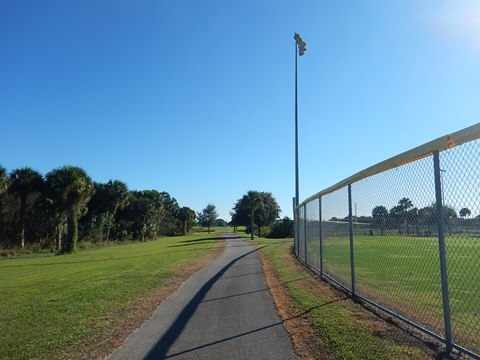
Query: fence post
298, 232
295, 234
442, 250
350, 230
305, 230
320, 233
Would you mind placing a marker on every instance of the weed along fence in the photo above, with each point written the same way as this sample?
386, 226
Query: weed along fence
404, 236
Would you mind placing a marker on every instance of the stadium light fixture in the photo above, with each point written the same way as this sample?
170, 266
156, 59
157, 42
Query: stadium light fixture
300, 48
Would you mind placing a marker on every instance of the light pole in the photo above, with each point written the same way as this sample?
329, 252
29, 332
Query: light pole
299, 51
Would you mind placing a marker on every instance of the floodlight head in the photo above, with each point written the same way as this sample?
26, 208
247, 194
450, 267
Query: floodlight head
300, 44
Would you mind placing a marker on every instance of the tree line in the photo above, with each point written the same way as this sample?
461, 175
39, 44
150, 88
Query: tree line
405, 215
55, 211
408, 219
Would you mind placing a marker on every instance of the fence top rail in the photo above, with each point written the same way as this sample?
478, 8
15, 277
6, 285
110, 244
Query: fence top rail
440, 144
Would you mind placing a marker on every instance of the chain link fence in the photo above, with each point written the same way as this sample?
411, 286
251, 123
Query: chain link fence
404, 236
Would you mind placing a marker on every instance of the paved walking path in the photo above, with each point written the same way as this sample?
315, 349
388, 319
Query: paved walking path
224, 311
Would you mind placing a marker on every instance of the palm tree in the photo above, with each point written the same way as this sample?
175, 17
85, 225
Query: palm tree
380, 214
428, 217
252, 202
3, 179
465, 212
450, 217
117, 196
70, 189
23, 183
401, 212
187, 217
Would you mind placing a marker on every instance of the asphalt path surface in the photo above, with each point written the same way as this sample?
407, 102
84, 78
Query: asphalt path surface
224, 311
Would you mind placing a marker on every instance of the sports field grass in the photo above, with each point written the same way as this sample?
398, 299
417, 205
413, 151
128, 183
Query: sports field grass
67, 306
403, 274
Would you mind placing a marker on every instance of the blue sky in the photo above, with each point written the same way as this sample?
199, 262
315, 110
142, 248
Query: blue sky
197, 97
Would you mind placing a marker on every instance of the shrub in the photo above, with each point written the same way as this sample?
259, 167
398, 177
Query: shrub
282, 229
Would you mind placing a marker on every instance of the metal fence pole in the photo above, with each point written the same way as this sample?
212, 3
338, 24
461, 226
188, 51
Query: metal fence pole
305, 230
295, 236
297, 212
320, 233
350, 230
442, 250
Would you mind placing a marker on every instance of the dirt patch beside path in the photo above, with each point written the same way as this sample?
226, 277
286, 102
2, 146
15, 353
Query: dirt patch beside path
311, 345
306, 343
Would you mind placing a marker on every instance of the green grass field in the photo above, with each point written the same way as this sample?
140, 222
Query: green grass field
403, 274
62, 306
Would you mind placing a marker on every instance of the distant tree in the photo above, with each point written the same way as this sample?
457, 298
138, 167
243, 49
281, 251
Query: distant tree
268, 213
3, 179
366, 219
24, 182
255, 208
240, 216
147, 212
4, 209
187, 218
70, 188
413, 218
380, 214
46, 222
450, 216
246, 207
169, 222
116, 196
282, 228
221, 223
235, 222
399, 213
169, 204
106, 201
207, 216
428, 216
405, 203
464, 212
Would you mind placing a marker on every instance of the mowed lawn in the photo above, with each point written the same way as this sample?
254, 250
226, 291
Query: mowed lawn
62, 306
403, 273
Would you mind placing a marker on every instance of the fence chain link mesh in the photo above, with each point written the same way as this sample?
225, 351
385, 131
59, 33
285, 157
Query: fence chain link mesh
397, 226
461, 183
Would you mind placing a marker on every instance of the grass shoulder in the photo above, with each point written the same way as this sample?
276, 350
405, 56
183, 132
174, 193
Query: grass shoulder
84, 305
323, 320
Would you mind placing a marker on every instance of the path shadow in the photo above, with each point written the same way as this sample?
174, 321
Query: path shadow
235, 295
278, 323
189, 242
160, 350
242, 275
105, 259
202, 239
193, 243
